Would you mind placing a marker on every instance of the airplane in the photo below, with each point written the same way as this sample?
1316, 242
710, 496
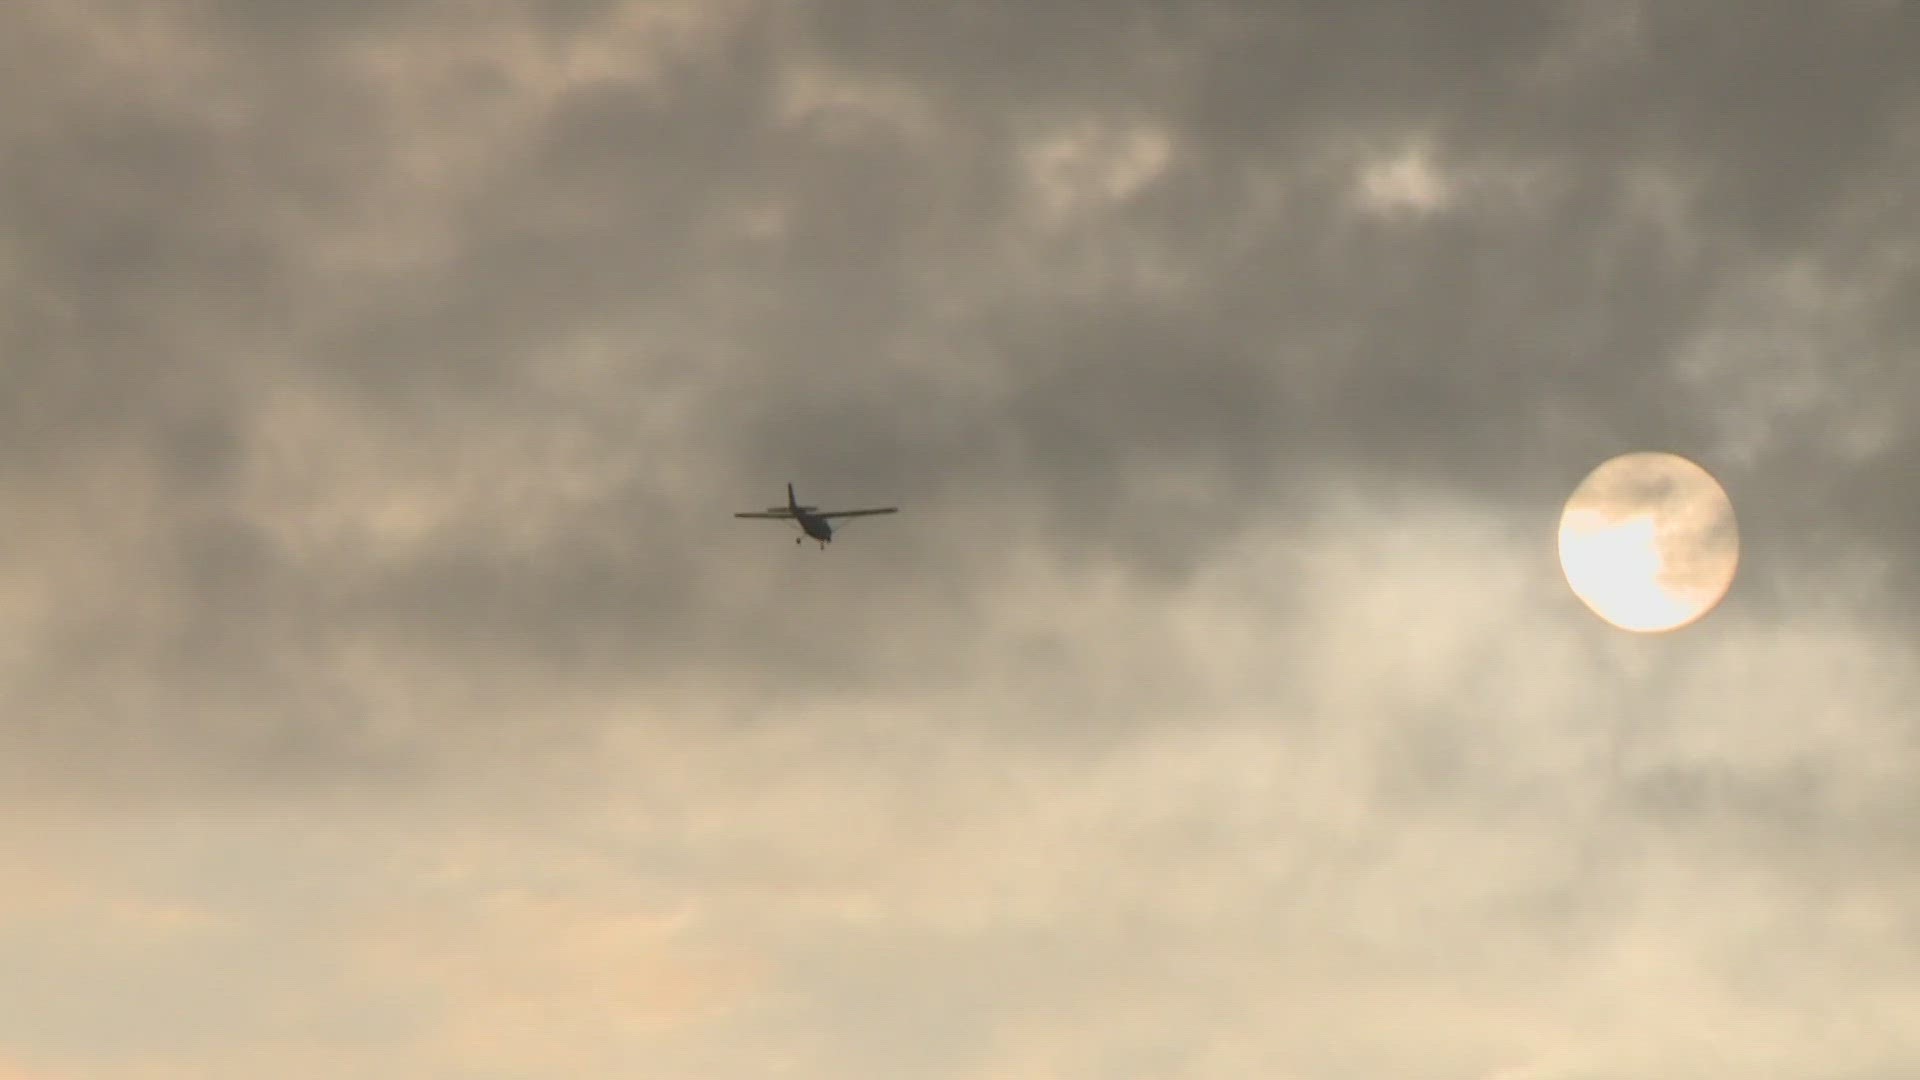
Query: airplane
812, 522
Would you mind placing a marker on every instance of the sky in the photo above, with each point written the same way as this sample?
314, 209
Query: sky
386, 689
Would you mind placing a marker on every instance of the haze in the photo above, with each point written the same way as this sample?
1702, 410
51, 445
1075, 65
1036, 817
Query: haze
387, 690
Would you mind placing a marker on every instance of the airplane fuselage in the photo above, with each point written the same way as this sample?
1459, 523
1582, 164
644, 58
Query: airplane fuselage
818, 528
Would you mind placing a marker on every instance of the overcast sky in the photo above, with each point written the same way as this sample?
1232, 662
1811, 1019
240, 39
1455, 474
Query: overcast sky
387, 691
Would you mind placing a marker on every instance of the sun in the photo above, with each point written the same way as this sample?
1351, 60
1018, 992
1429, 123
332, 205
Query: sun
1648, 541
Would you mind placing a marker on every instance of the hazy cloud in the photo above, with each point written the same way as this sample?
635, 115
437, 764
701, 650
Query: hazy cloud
386, 690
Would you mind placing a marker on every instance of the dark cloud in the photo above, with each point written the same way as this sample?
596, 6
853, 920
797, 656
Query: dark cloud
377, 383
866, 292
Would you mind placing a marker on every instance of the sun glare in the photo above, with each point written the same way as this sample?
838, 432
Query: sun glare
1615, 568
1648, 542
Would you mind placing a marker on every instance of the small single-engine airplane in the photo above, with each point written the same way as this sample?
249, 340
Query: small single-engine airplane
812, 522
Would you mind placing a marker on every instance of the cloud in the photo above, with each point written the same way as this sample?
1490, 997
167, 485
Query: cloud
380, 380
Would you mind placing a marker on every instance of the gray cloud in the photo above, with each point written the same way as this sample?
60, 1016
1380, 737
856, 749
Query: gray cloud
379, 381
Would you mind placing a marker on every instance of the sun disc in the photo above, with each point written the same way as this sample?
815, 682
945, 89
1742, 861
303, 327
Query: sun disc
1648, 542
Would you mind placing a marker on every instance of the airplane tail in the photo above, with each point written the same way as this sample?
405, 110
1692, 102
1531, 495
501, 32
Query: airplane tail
792, 503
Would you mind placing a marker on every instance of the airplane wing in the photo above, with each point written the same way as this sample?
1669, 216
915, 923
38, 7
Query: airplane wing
860, 513
775, 515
